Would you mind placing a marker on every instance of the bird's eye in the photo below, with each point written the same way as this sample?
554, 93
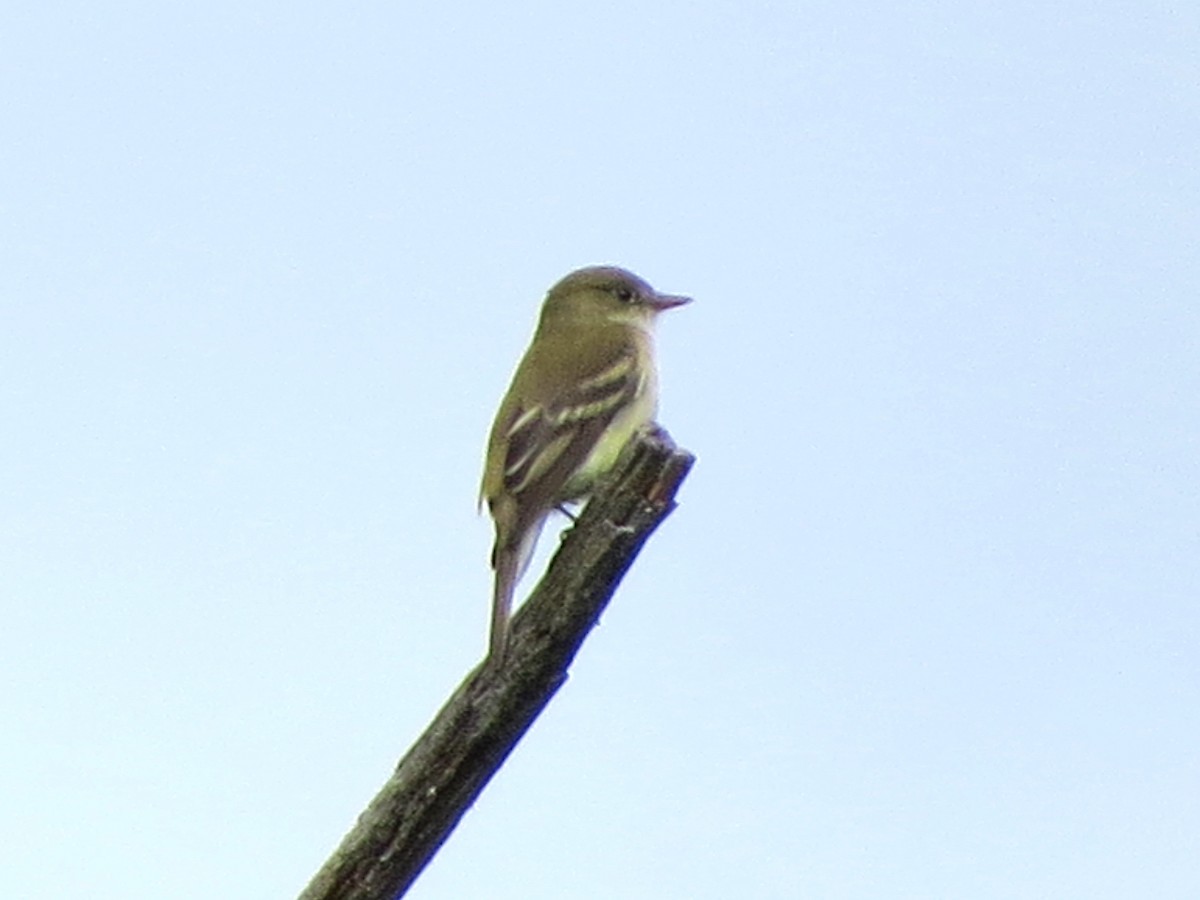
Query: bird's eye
624, 294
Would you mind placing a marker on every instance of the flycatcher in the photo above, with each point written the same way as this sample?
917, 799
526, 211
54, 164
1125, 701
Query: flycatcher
585, 385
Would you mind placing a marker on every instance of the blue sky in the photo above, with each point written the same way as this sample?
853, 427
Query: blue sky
925, 622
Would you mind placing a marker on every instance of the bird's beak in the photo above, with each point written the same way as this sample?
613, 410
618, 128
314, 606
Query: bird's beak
662, 302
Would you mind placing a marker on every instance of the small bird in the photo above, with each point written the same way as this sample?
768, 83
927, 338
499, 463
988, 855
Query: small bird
587, 382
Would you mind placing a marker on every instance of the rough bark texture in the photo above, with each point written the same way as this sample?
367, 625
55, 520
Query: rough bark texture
445, 770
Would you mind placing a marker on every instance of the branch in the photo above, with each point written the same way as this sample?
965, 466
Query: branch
450, 764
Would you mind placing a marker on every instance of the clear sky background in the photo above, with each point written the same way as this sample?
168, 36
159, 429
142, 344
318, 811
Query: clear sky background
926, 621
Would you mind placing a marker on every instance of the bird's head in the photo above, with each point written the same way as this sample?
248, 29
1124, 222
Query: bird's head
607, 293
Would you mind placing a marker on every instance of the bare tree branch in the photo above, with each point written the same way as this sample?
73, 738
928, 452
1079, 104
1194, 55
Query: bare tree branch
445, 770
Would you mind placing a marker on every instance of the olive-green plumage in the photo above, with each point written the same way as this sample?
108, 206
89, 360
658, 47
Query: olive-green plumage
587, 382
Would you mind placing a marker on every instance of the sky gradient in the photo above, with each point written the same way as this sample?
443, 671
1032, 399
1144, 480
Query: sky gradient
925, 623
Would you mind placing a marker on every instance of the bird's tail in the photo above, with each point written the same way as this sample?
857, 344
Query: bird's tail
510, 559
507, 569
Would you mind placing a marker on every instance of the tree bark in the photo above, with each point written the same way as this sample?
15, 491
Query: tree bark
450, 764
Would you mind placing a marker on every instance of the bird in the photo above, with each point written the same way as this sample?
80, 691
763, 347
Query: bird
586, 384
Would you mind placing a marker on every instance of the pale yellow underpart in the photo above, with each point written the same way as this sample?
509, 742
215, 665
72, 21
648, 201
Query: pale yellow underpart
637, 415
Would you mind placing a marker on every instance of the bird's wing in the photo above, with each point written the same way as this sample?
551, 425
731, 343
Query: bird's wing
545, 443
